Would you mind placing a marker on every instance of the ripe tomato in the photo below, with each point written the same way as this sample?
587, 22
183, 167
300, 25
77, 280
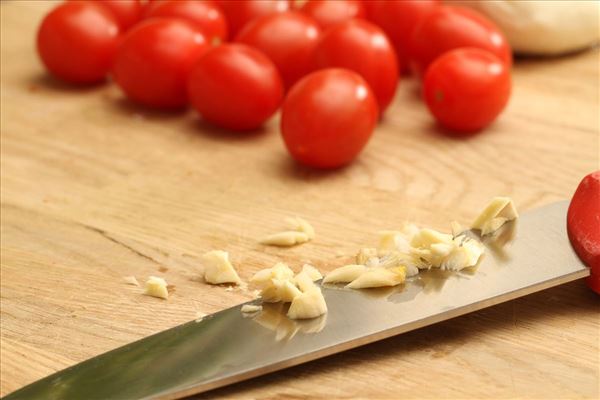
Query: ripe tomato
447, 28
127, 12
583, 226
154, 60
398, 18
467, 88
288, 39
362, 47
77, 42
331, 12
328, 117
205, 15
240, 12
235, 86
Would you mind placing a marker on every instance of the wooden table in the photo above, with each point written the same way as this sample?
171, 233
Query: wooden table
94, 188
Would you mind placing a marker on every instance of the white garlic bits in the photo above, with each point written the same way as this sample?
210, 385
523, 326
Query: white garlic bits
499, 211
309, 304
218, 269
345, 274
300, 232
379, 277
156, 287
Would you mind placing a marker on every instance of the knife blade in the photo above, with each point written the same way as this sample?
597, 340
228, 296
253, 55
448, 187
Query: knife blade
227, 347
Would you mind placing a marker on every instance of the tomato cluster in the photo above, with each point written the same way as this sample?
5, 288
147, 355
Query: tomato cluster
333, 66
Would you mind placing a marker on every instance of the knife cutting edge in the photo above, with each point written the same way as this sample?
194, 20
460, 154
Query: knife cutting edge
227, 347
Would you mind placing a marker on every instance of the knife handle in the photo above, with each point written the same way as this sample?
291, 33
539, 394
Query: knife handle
583, 226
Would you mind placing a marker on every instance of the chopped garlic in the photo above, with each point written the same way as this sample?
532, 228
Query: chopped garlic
499, 211
131, 280
366, 256
312, 272
465, 255
279, 290
300, 225
310, 304
304, 281
251, 308
387, 240
457, 228
426, 237
379, 277
218, 269
276, 284
285, 238
278, 271
156, 287
345, 274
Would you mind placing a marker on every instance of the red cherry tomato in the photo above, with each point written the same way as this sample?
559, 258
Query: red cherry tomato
127, 12
465, 89
77, 42
235, 86
154, 60
362, 47
240, 12
288, 39
331, 12
583, 226
204, 14
328, 117
447, 28
398, 18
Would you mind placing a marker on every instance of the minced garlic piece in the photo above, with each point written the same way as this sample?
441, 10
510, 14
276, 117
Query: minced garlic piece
304, 281
251, 308
312, 272
456, 228
387, 240
218, 269
278, 271
366, 256
279, 290
499, 211
285, 238
156, 287
131, 280
309, 304
464, 255
276, 283
379, 277
301, 225
345, 274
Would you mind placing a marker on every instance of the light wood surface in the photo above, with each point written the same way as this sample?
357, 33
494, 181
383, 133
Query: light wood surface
94, 188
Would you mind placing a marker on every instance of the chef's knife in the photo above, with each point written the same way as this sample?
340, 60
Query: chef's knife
227, 347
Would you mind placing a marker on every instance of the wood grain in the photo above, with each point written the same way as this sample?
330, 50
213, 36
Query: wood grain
94, 188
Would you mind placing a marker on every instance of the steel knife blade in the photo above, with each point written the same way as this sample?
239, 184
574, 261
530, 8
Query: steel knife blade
227, 347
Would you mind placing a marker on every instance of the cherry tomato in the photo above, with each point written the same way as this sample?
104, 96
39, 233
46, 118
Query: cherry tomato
331, 12
235, 86
288, 39
240, 12
154, 60
465, 89
398, 18
328, 117
204, 14
446, 28
583, 226
77, 42
127, 12
362, 47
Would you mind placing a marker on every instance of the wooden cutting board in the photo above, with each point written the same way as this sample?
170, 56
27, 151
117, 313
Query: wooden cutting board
95, 188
